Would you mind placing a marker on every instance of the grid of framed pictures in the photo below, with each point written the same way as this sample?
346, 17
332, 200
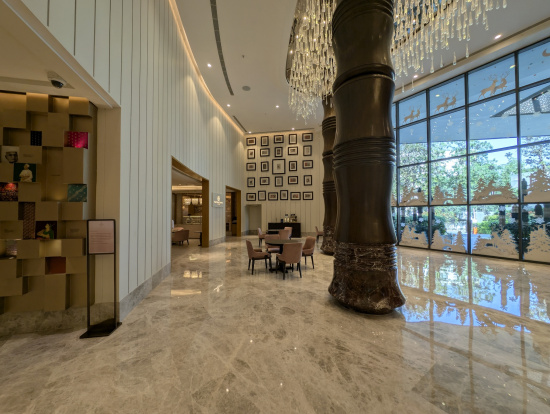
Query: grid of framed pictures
278, 167
307, 164
278, 152
284, 194
307, 136
264, 166
264, 180
250, 166
250, 196
279, 139
307, 151
278, 181
264, 152
292, 179
265, 141
251, 153
251, 182
251, 141
292, 150
307, 195
273, 196
308, 180
292, 139
261, 195
293, 166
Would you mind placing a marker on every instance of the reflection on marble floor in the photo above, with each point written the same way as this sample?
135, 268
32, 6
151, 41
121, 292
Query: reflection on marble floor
474, 336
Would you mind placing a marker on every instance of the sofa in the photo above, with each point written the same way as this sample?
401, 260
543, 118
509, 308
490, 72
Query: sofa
179, 235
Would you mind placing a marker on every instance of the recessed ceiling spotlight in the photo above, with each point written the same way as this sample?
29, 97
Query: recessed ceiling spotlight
209, 65
246, 88
498, 36
228, 105
250, 132
415, 76
276, 106
291, 52
293, 129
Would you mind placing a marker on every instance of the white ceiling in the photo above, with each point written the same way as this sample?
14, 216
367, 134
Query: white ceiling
254, 37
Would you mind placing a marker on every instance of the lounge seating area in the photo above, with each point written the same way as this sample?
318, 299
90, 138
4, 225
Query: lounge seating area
180, 235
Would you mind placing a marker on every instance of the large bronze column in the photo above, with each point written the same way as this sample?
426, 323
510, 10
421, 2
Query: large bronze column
365, 265
329, 188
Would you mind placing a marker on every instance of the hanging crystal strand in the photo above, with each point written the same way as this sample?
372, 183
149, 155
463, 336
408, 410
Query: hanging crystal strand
432, 68
467, 51
454, 58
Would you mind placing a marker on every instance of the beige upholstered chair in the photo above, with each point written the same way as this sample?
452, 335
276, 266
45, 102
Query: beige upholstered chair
319, 233
284, 234
290, 230
261, 236
254, 255
269, 247
308, 249
179, 235
292, 253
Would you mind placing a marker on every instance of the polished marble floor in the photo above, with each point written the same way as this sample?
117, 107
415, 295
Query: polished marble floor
473, 337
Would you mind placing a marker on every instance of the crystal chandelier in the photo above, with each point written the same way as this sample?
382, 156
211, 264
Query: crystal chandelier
424, 26
312, 67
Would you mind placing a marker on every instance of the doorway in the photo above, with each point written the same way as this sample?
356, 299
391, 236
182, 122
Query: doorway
233, 212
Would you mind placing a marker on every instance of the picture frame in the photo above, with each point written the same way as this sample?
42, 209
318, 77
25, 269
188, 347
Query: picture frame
250, 196
251, 154
283, 195
292, 180
250, 166
250, 141
251, 182
278, 152
308, 150
307, 164
307, 136
264, 180
293, 139
278, 139
308, 180
278, 166
292, 150
264, 141
307, 195
293, 166
273, 196
261, 195
264, 152
278, 181
264, 166
296, 196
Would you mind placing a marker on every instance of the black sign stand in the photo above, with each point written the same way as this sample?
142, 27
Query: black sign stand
98, 243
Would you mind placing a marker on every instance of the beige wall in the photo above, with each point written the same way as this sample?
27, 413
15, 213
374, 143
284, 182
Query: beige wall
135, 51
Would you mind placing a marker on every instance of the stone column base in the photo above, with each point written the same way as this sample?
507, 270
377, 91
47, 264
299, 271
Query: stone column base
329, 244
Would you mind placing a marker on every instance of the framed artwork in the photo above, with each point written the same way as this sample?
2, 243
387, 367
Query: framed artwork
265, 141
293, 166
308, 180
307, 151
251, 182
292, 179
251, 154
10, 154
264, 166
307, 136
293, 139
251, 141
8, 191
26, 173
295, 196
292, 150
308, 195
250, 166
46, 230
279, 139
250, 196
278, 152
307, 164
264, 152
264, 180
261, 195
278, 181
278, 167
273, 196
284, 194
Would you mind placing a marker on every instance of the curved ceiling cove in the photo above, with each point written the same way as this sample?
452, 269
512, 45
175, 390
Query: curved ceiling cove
214, 8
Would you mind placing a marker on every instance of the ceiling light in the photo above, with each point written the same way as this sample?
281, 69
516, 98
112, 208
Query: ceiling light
250, 132
276, 106
415, 76
209, 65
291, 52
293, 129
498, 36
437, 96
228, 105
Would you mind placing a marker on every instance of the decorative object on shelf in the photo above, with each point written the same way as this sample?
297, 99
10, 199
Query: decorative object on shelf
251, 154
293, 166
250, 196
36, 138
292, 139
8, 191
264, 180
23, 172
251, 141
261, 195
278, 167
274, 196
264, 152
307, 136
46, 230
278, 152
10, 154
265, 141
292, 179
295, 196
251, 182
264, 166
307, 164
424, 27
279, 139
278, 181
292, 150
77, 193
284, 194
76, 139
250, 166
307, 195
308, 180
307, 150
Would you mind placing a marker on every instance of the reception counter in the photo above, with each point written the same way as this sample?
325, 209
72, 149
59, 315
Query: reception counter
296, 228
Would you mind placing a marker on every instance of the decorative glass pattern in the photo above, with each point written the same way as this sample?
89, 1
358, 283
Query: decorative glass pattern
412, 109
534, 112
450, 229
491, 127
492, 79
495, 230
449, 182
534, 63
535, 173
448, 96
494, 177
413, 185
413, 144
448, 135
414, 226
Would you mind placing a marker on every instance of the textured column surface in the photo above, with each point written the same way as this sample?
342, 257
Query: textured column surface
365, 266
329, 188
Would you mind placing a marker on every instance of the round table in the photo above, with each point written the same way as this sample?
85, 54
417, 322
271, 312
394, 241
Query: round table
281, 243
